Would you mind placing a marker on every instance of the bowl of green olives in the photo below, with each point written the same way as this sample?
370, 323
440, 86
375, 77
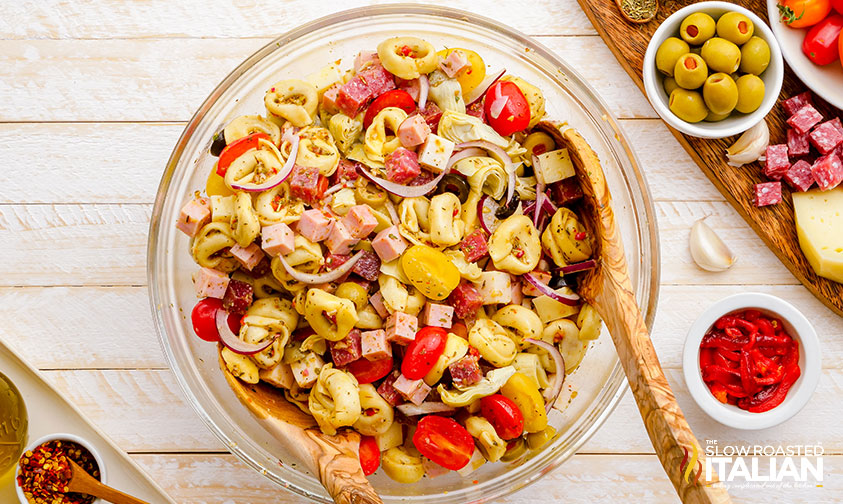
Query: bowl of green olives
713, 70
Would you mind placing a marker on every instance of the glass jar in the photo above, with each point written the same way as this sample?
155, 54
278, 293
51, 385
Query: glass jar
13, 425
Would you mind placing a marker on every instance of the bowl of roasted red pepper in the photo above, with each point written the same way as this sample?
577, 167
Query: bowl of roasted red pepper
751, 361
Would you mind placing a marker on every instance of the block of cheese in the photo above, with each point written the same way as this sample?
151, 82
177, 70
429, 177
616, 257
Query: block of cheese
819, 225
554, 166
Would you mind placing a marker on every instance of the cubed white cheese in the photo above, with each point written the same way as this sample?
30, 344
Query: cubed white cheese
549, 309
394, 436
494, 287
306, 371
324, 78
343, 200
554, 166
279, 375
222, 208
435, 152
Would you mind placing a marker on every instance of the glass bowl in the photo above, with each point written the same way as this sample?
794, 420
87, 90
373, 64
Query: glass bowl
589, 394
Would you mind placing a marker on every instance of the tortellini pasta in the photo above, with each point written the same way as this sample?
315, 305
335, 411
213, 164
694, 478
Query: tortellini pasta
241, 366
521, 321
566, 335
288, 282
248, 124
468, 270
535, 98
493, 342
245, 224
275, 206
415, 301
589, 322
515, 246
446, 93
210, 247
402, 466
446, 227
407, 57
414, 222
266, 319
254, 166
377, 414
330, 316
293, 100
488, 442
381, 138
345, 130
529, 365
334, 401
565, 238
317, 150
307, 255
395, 294
368, 319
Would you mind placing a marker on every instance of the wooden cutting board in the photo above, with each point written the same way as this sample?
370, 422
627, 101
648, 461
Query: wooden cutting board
774, 224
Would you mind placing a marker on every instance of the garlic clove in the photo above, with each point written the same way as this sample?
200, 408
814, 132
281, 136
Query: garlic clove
708, 250
751, 146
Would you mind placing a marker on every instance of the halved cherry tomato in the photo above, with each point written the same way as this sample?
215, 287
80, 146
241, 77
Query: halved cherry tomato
370, 455
236, 149
367, 371
837, 5
803, 13
471, 77
444, 441
504, 416
215, 186
822, 40
423, 352
321, 186
506, 108
204, 321
395, 98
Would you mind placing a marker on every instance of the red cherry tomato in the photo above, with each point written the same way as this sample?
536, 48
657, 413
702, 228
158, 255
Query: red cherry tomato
368, 371
444, 441
395, 98
423, 352
370, 455
837, 5
204, 320
503, 414
821, 42
506, 108
236, 149
321, 186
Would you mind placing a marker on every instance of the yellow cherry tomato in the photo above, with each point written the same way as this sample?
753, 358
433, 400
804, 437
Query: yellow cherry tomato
525, 394
430, 271
216, 185
471, 77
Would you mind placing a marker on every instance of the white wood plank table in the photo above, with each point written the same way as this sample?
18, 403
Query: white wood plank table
94, 96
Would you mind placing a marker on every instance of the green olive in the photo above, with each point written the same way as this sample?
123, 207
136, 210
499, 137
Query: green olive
720, 93
721, 55
670, 51
688, 105
712, 117
750, 93
755, 56
690, 71
735, 27
669, 85
697, 28
354, 292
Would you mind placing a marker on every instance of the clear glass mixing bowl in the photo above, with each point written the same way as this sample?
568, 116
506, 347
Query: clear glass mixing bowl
599, 381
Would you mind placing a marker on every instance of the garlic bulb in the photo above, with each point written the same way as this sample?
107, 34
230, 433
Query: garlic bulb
708, 250
750, 146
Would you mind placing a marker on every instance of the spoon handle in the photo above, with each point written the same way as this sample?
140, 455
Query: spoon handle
339, 467
84, 483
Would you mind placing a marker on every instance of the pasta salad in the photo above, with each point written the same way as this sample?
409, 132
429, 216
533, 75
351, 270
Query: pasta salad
395, 248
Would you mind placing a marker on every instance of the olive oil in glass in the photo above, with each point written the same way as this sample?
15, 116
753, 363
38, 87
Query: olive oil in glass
13, 425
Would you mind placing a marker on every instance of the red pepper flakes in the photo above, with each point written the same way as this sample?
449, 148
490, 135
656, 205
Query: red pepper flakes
580, 236
45, 472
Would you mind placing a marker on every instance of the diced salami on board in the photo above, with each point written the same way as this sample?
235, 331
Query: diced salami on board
794, 103
828, 172
798, 144
768, 193
826, 137
800, 176
806, 118
777, 161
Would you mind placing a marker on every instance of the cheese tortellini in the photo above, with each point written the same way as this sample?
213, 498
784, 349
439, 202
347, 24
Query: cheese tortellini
275, 205
414, 221
515, 246
245, 224
293, 100
334, 401
269, 318
446, 227
330, 316
378, 416
210, 247
317, 150
255, 166
589, 322
493, 342
488, 442
248, 124
522, 322
395, 294
401, 465
381, 138
407, 57
565, 238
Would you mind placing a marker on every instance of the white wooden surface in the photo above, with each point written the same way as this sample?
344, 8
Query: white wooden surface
94, 95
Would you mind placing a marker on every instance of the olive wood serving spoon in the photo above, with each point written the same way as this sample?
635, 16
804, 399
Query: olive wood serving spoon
608, 289
83, 483
335, 459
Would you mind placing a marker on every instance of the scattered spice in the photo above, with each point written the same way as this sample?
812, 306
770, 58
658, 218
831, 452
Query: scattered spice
45, 472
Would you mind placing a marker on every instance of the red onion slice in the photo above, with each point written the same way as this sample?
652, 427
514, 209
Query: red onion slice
486, 209
233, 342
334, 188
393, 214
424, 89
279, 177
577, 267
426, 408
402, 190
552, 391
478, 92
465, 153
539, 204
566, 299
320, 278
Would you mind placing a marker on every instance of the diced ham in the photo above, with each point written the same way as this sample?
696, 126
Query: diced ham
387, 390
401, 328
797, 143
315, 225
262, 268
794, 103
466, 371
377, 303
414, 391
364, 59
465, 299
413, 131
566, 191
529, 289
340, 240
374, 345
279, 375
768, 193
306, 371
209, 282
368, 266
194, 216
388, 244
377, 79
828, 171
804, 119
277, 239
346, 350
248, 257
777, 161
411, 87
800, 176
455, 63
360, 221
437, 315
346, 170
475, 246
402, 165
435, 152
353, 96
304, 184
431, 114
329, 99
826, 137
238, 297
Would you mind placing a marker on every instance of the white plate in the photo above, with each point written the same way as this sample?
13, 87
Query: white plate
826, 80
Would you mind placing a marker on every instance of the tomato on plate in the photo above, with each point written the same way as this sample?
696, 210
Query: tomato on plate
236, 149
821, 42
504, 416
423, 352
506, 108
370, 455
444, 441
395, 98
472, 76
803, 13
204, 320
367, 371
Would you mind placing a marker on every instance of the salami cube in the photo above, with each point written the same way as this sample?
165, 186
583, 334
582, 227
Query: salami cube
401, 328
413, 131
476, 110
806, 118
794, 103
837, 124
566, 191
466, 371
435, 152
412, 87
374, 345
777, 161
329, 99
388, 392
377, 79
209, 282
340, 240
475, 246
248, 257
353, 96
466, 300
315, 225
279, 375
262, 268
529, 289
334, 261
346, 170
347, 349
238, 297
453, 64
414, 391
431, 114
799, 176
797, 143
360, 221
828, 171
368, 266
768, 193
306, 370
437, 315
278, 239
377, 303
388, 244
304, 184
826, 137
194, 216
402, 165
494, 287
365, 59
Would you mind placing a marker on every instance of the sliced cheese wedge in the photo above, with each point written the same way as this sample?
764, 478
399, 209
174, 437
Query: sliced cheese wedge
819, 225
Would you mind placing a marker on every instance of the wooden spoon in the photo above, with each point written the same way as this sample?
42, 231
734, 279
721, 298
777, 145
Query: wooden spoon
334, 459
608, 289
83, 483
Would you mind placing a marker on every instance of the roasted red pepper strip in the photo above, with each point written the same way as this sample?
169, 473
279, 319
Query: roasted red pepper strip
765, 327
706, 357
721, 341
726, 354
752, 315
719, 391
